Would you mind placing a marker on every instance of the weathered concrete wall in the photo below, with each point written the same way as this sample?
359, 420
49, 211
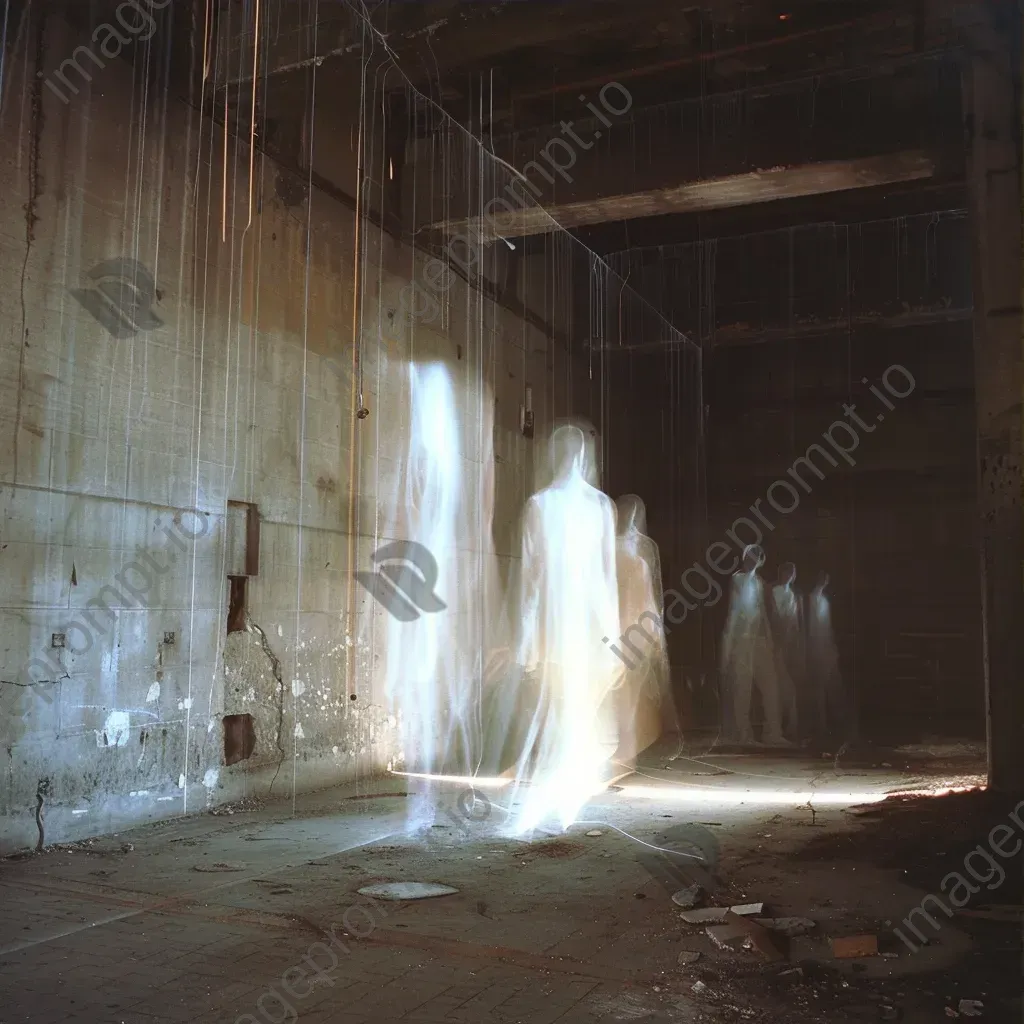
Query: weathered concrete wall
115, 450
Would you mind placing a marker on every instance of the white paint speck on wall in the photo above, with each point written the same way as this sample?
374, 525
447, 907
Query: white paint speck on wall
298, 687
211, 777
181, 782
299, 734
154, 693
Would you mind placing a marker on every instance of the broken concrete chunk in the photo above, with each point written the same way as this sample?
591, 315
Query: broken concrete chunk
725, 936
711, 915
788, 926
748, 909
406, 890
689, 897
970, 1007
848, 947
705, 915
699, 988
760, 938
688, 956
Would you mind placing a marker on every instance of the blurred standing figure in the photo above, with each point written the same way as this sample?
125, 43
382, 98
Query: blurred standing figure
570, 601
823, 666
643, 691
790, 648
748, 656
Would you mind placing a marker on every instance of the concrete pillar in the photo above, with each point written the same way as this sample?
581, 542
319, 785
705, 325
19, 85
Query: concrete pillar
992, 124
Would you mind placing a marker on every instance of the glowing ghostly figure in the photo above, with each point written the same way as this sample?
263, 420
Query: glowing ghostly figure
433, 661
790, 646
569, 603
642, 688
748, 656
823, 665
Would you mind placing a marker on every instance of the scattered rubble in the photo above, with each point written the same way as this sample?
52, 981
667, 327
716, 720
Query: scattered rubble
688, 956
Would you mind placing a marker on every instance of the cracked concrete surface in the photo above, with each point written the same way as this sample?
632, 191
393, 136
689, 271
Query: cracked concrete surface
255, 915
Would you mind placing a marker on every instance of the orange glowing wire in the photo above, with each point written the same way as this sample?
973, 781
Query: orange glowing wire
252, 123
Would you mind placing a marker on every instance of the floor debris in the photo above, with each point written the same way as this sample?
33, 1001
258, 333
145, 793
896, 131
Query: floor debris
406, 890
222, 865
760, 938
688, 956
851, 947
788, 926
688, 898
970, 1008
594, 832
716, 915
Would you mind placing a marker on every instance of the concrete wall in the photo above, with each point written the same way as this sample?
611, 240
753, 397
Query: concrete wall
115, 450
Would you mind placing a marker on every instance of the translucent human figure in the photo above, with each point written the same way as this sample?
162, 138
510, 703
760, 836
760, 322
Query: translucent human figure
643, 685
823, 665
748, 656
433, 661
790, 647
570, 602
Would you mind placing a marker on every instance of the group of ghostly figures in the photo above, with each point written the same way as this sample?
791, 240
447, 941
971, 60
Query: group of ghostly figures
518, 676
780, 644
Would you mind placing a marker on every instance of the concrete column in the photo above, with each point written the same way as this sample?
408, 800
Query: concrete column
992, 124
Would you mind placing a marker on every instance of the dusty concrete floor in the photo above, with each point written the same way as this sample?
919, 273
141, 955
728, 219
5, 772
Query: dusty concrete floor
250, 916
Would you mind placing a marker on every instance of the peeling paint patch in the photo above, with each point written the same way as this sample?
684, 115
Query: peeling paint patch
181, 782
298, 687
184, 705
211, 777
139, 792
116, 730
154, 693
280, 631
299, 734
81, 810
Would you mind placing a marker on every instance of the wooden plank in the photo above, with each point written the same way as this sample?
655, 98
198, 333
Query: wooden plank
707, 194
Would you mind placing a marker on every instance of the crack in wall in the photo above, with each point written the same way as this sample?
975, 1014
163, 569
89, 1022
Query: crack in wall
42, 791
275, 666
31, 217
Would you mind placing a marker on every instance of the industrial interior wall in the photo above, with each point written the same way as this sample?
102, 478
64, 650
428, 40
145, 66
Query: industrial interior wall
131, 419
